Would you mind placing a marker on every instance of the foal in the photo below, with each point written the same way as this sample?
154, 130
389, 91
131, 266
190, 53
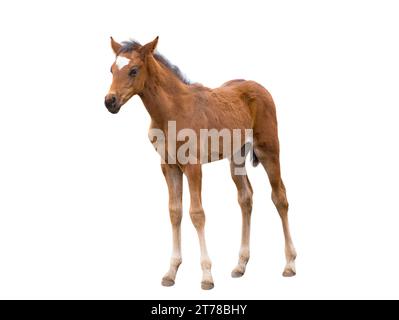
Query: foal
238, 104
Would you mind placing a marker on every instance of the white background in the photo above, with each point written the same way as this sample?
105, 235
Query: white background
83, 203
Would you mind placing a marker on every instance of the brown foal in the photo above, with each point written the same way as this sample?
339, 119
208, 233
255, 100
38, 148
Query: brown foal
238, 104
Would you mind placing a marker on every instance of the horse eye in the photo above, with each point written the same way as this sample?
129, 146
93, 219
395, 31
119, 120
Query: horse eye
111, 69
133, 72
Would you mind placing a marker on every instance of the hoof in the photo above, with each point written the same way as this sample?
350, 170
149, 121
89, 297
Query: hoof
167, 282
237, 273
205, 285
289, 273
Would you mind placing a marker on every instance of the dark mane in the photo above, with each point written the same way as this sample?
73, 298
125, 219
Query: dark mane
132, 45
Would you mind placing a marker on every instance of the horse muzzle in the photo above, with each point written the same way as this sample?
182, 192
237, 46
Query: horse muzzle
112, 104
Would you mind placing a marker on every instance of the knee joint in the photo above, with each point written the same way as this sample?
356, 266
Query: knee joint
197, 217
175, 214
280, 201
245, 199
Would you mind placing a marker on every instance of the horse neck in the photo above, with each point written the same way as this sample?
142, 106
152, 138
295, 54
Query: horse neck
161, 93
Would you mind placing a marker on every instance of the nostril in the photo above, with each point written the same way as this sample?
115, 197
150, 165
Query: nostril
110, 101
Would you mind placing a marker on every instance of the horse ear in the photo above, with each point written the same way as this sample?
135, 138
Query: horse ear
115, 46
149, 47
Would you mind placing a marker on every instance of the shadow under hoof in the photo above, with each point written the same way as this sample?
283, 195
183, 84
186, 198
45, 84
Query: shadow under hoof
166, 282
207, 285
236, 274
289, 273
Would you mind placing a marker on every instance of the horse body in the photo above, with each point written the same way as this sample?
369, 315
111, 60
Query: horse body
237, 105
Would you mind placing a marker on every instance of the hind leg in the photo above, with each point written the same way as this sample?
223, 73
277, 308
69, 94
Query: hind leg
244, 194
269, 157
